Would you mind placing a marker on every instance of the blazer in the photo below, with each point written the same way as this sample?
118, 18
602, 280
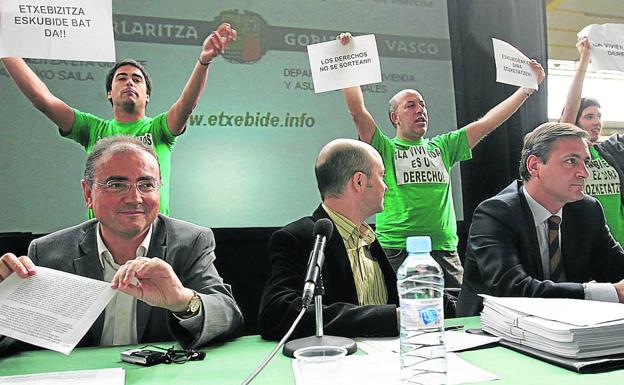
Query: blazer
288, 253
503, 257
188, 248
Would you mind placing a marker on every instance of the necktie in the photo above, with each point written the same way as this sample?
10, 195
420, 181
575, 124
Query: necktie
554, 251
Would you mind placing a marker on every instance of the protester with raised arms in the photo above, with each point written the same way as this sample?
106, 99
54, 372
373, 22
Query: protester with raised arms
606, 169
128, 88
419, 201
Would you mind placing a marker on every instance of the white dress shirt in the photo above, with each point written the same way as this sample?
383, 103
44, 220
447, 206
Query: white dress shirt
120, 314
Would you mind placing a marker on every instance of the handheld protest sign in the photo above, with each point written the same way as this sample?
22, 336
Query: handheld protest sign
607, 46
512, 66
57, 29
335, 66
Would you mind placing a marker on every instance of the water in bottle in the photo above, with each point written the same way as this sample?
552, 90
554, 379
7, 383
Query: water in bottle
420, 283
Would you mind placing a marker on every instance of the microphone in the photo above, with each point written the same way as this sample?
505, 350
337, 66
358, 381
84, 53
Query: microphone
323, 229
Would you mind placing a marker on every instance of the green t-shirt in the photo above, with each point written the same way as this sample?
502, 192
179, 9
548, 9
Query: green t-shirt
603, 183
88, 129
419, 201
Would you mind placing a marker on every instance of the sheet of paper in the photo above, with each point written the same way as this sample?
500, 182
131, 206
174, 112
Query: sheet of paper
512, 66
51, 309
335, 66
114, 376
57, 29
455, 341
607, 46
572, 311
381, 369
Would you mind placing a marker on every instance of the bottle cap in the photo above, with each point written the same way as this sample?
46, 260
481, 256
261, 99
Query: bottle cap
418, 244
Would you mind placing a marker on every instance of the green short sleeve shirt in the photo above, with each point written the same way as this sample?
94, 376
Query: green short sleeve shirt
419, 201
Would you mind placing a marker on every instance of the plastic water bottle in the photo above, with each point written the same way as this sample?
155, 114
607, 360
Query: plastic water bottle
421, 288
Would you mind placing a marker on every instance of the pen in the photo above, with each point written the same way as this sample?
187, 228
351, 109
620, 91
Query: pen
454, 327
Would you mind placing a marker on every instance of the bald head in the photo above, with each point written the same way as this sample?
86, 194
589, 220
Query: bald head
339, 160
393, 104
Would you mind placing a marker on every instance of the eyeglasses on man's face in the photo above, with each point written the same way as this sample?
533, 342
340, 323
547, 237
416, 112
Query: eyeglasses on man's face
115, 186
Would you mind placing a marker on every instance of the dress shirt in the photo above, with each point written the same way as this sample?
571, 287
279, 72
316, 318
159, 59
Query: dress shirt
369, 280
593, 290
120, 314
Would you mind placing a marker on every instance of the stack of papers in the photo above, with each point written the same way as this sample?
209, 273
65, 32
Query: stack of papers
565, 327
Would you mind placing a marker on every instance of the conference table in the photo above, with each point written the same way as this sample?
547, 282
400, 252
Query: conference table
231, 362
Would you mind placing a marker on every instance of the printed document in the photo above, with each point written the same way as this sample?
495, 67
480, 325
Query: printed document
381, 368
455, 341
115, 376
51, 309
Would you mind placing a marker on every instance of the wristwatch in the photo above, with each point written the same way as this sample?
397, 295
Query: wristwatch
193, 307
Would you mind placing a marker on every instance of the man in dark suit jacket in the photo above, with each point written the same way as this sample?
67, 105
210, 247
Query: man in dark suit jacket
509, 250
162, 267
360, 286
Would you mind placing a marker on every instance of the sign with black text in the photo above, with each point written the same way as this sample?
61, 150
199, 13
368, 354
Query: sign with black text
57, 29
335, 66
512, 66
607, 46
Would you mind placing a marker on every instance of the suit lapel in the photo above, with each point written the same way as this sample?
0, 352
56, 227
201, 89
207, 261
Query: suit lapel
388, 272
157, 249
530, 235
88, 265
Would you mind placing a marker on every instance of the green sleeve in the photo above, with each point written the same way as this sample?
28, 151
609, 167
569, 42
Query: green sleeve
454, 146
81, 129
160, 121
382, 143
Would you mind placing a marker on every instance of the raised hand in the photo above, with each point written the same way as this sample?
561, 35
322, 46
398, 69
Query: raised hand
583, 46
216, 43
538, 70
344, 38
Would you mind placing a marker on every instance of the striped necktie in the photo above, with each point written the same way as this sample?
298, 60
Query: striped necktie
554, 251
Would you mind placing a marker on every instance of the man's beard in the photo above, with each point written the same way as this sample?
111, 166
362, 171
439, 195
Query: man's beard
128, 106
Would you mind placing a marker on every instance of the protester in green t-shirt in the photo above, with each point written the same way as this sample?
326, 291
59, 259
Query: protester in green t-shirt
607, 159
128, 88
419, 201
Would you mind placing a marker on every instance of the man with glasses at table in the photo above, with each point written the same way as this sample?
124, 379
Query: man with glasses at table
166, 264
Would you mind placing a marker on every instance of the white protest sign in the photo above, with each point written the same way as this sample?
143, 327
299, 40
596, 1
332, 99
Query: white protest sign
512, 66
607, 46
57, 29
335, 66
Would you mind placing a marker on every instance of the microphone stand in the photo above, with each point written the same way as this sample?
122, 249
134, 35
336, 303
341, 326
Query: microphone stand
319, 339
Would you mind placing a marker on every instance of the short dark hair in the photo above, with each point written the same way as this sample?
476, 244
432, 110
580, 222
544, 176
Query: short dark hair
113, 145
125, 62
338, 165
585, 102
540, 141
